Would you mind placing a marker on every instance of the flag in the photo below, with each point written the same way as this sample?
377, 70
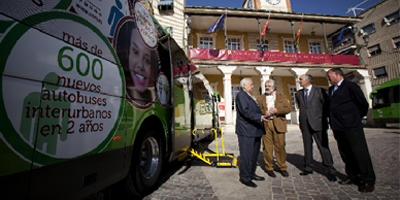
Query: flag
341, 35
298, 33
219, 24
265, 29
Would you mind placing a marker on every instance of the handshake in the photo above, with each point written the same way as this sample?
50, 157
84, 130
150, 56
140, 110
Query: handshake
269, 115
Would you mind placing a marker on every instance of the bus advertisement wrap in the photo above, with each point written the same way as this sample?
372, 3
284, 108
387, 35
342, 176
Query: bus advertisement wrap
93, 94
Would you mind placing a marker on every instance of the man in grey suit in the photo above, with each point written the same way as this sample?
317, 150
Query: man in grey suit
311, 101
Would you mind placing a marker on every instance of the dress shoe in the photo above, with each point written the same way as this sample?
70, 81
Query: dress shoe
258, 178
366, 187
331, 177
284, 173
248, 183
270, 173
346, 181
305, 173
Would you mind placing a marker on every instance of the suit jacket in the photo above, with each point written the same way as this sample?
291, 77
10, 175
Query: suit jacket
282, 105
314, 111
248, 119
347, 106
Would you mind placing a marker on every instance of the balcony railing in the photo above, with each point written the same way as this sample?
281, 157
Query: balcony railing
272, 57
345, 45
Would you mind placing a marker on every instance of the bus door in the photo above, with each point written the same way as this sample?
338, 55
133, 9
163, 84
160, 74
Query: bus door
182, 101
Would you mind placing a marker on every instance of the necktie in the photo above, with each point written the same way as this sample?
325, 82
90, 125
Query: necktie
334, 89
305, 95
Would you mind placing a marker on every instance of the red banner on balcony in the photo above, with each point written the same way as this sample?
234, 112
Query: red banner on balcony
345, 59
276, 57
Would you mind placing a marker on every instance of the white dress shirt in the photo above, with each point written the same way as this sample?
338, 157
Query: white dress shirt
308, 90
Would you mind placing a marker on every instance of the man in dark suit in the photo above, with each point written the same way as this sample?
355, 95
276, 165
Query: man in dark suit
249, 129
347, 106
312, 101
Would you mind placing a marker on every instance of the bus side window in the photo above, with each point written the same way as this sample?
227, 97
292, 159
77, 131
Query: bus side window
396, 94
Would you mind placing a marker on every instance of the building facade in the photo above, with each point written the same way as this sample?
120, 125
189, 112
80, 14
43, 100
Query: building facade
379, 36
293, 44
170, 15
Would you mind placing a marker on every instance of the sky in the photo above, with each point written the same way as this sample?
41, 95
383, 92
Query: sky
323, 7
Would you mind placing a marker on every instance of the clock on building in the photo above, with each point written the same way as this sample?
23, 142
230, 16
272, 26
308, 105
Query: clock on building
273, 2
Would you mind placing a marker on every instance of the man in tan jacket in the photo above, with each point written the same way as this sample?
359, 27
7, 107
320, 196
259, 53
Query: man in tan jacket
275, 106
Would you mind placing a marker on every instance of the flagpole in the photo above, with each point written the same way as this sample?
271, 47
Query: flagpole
298, 33
264, 31
327, 49
269, 16
259, 32
225, 31
293, 34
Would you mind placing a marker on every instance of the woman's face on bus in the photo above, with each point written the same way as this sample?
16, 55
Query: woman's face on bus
139, 62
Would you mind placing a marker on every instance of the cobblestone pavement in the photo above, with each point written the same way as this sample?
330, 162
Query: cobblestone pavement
204, 182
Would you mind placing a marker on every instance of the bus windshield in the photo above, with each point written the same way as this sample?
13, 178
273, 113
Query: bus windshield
385, 97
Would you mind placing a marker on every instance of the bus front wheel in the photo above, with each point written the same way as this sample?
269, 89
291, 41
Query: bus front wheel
147, 162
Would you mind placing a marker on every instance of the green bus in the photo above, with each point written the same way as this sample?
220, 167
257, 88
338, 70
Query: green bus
386, 104
93, 95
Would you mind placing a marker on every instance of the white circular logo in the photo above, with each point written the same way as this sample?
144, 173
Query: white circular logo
145, 25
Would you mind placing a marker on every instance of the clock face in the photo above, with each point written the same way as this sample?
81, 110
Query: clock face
273, 2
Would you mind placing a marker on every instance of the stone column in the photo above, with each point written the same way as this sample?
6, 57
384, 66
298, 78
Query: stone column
366, 84
227, 70
265, 75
